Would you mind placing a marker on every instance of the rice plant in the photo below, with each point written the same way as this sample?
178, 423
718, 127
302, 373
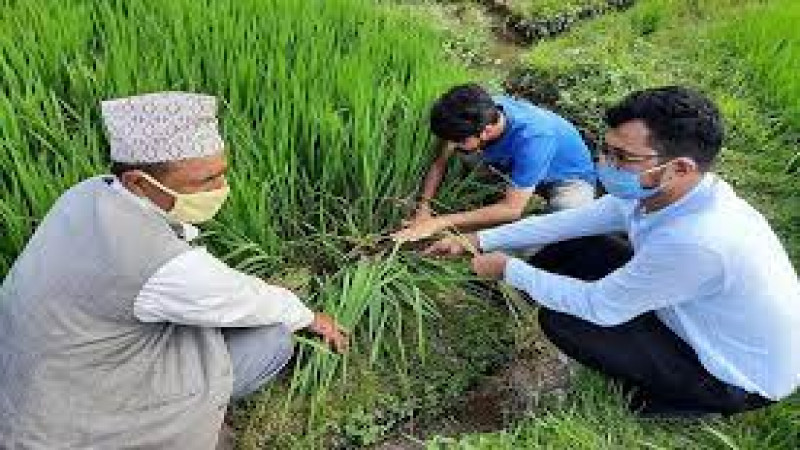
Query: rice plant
324, 101
765, 38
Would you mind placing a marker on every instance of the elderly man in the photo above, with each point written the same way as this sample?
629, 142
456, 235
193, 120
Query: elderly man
117, 332
703, 313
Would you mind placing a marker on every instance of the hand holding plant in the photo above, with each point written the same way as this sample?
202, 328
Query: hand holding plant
454, 245
490, 265
331, 332
422, 213
421, 229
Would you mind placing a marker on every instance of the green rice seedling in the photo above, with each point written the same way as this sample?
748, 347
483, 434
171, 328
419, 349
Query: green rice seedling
765, 39
323, 101
378, 300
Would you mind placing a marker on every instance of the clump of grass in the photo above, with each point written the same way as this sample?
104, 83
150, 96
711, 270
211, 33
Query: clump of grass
765, 38
545, 9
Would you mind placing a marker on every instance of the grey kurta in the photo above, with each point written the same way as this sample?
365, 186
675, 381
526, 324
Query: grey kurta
77, 369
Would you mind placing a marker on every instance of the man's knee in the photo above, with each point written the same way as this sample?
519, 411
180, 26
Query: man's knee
570, 194
258, 355
282, 345
554, 325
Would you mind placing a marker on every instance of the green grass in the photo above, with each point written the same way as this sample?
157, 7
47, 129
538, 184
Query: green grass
533, 9
324, 106
373, 400
595, 417
766, 40
546, 9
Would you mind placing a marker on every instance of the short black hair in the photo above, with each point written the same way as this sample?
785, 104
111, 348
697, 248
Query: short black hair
462, 112
156, 170
681, 121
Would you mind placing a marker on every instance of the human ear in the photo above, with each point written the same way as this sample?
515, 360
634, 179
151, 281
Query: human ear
134, 182
684, 166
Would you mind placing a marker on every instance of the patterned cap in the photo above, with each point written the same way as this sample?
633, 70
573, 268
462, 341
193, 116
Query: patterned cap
160, 127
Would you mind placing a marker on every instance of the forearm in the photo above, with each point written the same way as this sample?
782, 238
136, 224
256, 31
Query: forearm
270, 305
600, 217
645, 283
488, 215
433, 180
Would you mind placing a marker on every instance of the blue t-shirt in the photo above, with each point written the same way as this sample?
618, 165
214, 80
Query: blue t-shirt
538, 146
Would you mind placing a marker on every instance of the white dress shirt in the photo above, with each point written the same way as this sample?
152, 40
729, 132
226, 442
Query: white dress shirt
196, 288
709, 266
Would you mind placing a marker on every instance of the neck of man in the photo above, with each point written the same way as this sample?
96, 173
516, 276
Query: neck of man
672, 195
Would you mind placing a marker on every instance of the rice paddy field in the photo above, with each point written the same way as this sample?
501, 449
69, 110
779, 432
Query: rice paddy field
324, 111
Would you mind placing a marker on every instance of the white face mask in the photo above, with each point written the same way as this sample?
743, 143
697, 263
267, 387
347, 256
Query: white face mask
193, 208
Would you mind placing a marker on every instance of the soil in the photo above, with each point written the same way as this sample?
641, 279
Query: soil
537, 372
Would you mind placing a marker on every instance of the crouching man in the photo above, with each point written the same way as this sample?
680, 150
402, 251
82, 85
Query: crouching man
115, 331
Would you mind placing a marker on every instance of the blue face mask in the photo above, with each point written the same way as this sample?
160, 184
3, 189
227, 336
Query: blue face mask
625, 183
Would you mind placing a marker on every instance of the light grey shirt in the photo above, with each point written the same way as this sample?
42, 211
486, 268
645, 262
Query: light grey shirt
709, 266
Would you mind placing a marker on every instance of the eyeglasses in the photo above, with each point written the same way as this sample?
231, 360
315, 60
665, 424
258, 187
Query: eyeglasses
616, 155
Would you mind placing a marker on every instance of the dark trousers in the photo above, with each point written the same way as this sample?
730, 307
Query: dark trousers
655, 367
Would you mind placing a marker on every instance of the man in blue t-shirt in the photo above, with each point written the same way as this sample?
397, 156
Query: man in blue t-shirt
533, 149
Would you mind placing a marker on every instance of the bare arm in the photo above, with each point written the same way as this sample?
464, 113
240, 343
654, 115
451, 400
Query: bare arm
435, 175
508, 209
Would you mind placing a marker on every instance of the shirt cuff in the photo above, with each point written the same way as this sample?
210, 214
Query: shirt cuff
301, 318
488, 240
517, 273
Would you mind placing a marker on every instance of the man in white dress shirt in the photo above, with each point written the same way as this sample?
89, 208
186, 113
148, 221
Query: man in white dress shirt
699, 311
115, 331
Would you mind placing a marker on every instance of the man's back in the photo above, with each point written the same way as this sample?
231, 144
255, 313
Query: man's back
77, 369
539, 146
745, 325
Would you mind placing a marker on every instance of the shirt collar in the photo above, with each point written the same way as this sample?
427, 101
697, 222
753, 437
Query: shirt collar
185, 231
694, 199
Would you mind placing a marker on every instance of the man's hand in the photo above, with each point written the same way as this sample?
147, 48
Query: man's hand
490, 265
453, 246
422, 213
331, 333
421, 229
